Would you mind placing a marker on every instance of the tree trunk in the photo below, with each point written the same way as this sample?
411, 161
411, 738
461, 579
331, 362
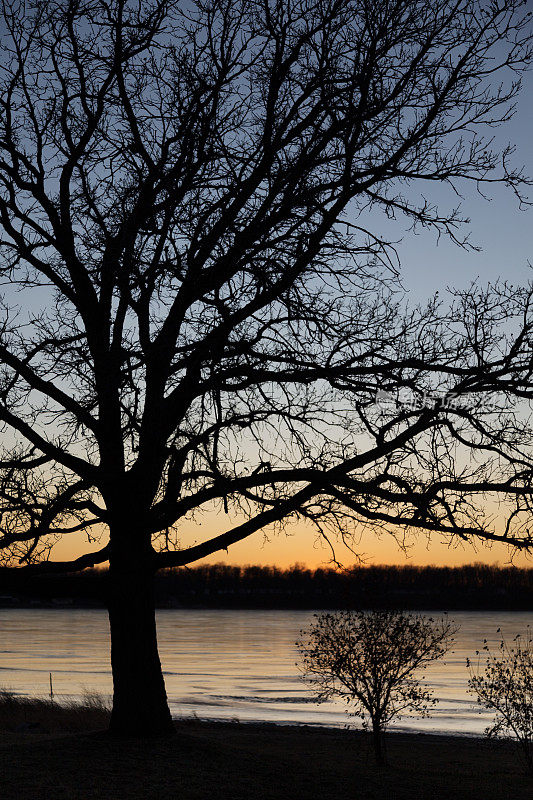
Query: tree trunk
140, 705
377, 739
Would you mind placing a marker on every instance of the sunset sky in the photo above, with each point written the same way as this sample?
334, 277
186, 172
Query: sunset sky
300, 545
505, 234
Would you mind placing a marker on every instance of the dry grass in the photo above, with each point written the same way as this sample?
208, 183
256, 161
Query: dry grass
22, 714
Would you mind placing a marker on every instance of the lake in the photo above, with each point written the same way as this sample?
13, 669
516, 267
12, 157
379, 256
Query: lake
224, 664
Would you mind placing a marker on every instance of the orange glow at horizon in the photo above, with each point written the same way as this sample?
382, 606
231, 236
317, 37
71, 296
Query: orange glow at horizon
301, 545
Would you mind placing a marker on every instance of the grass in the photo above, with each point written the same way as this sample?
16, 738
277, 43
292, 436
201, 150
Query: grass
20, 714
68, 757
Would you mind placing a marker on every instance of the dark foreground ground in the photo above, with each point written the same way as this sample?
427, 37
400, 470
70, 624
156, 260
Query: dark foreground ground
254, 762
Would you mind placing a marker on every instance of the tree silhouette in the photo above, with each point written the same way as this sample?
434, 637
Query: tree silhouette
197, 313
504, 685
372, 660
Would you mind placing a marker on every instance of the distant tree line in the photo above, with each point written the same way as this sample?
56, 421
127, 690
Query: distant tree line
222, 586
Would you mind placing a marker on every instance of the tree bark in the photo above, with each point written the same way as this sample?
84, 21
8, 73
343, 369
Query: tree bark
377, 739
140, 706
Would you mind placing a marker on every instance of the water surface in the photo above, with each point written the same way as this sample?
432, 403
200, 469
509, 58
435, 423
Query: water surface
228, 664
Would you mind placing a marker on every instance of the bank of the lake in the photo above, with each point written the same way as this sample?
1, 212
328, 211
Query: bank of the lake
257, 762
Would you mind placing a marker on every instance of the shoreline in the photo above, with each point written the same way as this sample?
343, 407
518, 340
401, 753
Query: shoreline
65, 701
257, 761
325, 726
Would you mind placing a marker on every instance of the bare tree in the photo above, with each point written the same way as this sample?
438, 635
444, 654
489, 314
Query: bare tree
197, 313
370, 660
504, 685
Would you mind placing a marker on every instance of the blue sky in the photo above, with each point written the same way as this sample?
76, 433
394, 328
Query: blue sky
503, 230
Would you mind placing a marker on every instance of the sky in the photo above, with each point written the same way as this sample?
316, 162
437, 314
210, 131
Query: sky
299, 544
504, 232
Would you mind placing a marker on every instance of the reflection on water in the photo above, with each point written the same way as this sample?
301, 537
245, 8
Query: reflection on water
226, 664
